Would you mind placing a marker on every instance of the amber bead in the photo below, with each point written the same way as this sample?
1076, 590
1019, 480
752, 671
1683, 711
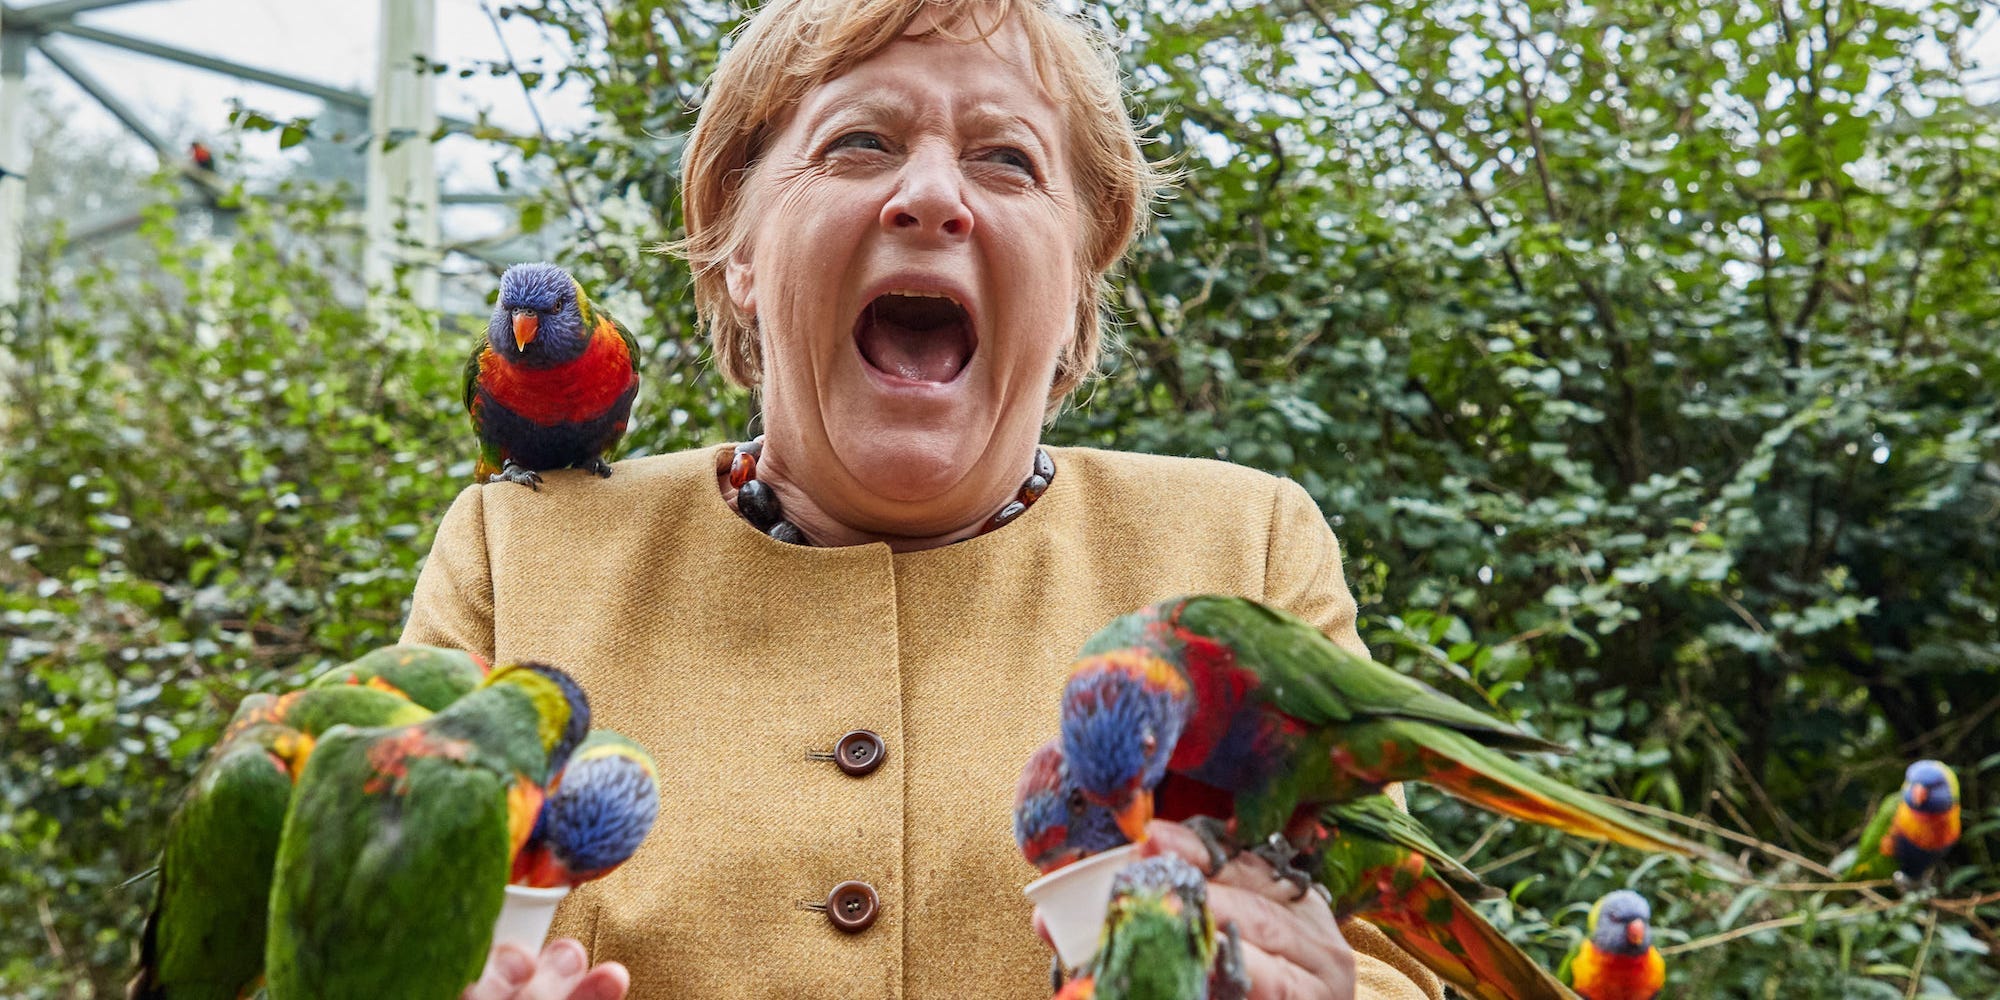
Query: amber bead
742, 469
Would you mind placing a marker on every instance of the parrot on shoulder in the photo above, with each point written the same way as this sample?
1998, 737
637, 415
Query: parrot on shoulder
1616, 959
1913, 830
551, 382
597, 812
1253, 708
204, 938
397, 846
431, 676
1160, 942
1381, 865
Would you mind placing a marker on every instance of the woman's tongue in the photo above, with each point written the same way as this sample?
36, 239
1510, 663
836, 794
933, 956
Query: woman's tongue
936, 354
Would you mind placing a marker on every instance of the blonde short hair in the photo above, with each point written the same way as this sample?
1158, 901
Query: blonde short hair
791, 46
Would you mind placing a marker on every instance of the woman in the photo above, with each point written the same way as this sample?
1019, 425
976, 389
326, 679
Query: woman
899, 214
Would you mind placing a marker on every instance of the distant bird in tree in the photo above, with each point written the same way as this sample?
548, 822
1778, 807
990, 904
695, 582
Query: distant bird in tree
1616, 959
551, 384
1266, 713
1913, 830
204, 939
199, 154
431, 676
598, 812
1160, 941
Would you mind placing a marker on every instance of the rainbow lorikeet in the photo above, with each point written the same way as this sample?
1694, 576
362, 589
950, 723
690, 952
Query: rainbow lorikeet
597, 812
1266, 714
1616, 959
550, 385
396, 848
1913, 830
431, 676
1053, 823
1160, 941
204, 939
1381, 865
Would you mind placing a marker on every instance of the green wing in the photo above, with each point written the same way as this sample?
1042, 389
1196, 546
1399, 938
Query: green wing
1563, 971
387, 884
1869, 860
472, 378
204, 939
1314, 680
431, 676
314, 710
1376, 817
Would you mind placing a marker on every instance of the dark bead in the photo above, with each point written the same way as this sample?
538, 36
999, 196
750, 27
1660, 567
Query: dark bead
742, 469
753, 447
859, 753
1007, 513
1045, 466
758, 504
789, 533
1033, 489
853, 906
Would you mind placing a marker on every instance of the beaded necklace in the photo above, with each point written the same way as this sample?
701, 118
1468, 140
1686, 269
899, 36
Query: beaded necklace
758, 503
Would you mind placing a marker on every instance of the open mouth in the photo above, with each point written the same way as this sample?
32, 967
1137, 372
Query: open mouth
916, 336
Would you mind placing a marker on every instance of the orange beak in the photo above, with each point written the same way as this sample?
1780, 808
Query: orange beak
1635, 932
1918, 793
1137, 813
525, 324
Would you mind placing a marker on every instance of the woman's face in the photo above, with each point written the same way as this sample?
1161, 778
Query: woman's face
911, 264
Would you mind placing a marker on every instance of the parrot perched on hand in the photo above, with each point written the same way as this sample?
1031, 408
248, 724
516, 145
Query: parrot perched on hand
398, 843
1382, 866
1913, 830
598, 811
550, 385
1160, 942
431, 676
1270, 717
204, 939
1053, 823
1616, 959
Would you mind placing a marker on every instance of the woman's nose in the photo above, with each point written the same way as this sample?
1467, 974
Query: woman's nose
929, 200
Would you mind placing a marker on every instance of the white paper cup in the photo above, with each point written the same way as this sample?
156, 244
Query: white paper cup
1073, 900
526, 915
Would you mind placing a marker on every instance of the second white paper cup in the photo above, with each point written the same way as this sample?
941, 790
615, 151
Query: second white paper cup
526, 915
1073, 900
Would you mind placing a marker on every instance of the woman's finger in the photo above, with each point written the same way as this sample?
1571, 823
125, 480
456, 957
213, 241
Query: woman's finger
1320, 951
1163, 837
609, 981
508, 969
1273, 978
558, 971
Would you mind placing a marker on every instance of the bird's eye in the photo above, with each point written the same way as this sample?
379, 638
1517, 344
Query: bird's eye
1077, 803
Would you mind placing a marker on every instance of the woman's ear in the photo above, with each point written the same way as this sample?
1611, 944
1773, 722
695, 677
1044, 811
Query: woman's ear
742, 282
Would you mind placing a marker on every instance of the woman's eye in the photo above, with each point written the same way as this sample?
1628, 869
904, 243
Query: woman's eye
1013, 158
858, 140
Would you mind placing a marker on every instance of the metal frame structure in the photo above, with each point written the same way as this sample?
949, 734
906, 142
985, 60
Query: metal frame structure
401, 211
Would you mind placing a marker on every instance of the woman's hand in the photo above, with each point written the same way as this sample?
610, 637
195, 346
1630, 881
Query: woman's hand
563, 972
1292, 948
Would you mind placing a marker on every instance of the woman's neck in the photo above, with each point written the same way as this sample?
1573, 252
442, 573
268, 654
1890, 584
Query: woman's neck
819, 512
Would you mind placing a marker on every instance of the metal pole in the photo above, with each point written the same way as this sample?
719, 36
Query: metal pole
402, 211
13, 160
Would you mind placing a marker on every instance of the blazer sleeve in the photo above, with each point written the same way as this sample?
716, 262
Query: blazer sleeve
1302, 575
453, 603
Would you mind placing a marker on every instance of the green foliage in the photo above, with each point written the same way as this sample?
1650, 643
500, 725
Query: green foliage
1642, 354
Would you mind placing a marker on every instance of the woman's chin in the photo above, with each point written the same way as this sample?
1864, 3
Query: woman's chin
907, 465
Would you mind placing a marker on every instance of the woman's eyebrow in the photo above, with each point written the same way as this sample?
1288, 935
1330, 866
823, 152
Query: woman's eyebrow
869, 106
994, 119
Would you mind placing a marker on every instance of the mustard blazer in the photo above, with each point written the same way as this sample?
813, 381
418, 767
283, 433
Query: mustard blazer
739, 661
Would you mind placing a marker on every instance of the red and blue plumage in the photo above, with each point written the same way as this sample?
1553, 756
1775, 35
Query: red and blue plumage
598, 811
551, 383
1616, 959
1913, 830
1054, 825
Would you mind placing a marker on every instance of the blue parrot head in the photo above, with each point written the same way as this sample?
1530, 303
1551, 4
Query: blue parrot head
1122, 713
1053, 823
1931, 787
1620, 923
539, 318
601, 812
559, 701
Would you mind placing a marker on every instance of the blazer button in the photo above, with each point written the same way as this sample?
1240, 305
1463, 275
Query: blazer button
853, 906
859, 753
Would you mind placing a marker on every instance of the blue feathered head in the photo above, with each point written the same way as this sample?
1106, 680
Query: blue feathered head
1122, 713
1620, 923
1929, 786
1053, 823
540, 319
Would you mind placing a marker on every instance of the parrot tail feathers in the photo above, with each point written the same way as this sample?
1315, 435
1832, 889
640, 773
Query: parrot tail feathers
1438, 928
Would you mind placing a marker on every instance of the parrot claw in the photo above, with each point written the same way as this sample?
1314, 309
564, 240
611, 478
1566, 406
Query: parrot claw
1231, 981
1056, 977
1280, 853
512, 473
597, 467
1214, 834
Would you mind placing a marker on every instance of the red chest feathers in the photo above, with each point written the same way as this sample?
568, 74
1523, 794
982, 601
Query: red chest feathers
568, 393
